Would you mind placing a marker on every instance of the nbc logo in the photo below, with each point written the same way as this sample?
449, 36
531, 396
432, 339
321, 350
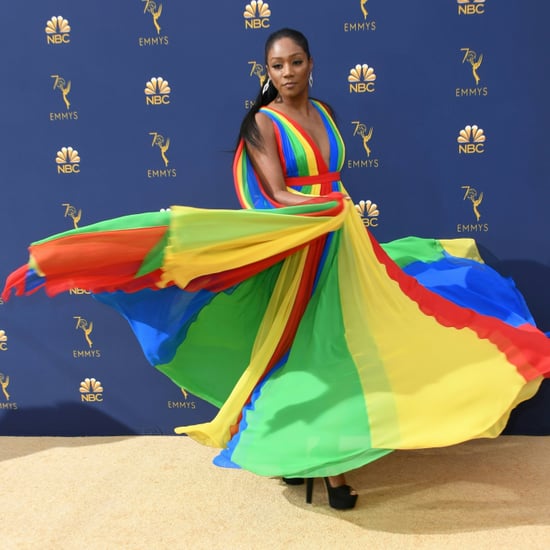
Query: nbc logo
256, 15
470, 7
67, 160
361, 79
157, 91
3, 341
471, 140
91, 390
369, 213
57, 31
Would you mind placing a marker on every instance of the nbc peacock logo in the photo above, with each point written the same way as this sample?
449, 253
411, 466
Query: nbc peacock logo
68, 161
256, 15
3, 341
91, 391
369, 212
471, 140
471, 7
361, 79
157, 91
58, 30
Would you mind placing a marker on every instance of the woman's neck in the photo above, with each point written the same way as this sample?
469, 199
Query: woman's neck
299, 105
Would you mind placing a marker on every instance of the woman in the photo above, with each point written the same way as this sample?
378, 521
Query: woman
284, 101
320, 351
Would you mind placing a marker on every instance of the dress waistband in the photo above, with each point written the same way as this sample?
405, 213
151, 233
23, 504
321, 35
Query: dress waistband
325, 177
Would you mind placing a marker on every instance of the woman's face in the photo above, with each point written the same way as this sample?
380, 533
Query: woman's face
288, 67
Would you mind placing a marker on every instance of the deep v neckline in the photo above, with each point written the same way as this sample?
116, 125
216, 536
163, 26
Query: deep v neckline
321, 161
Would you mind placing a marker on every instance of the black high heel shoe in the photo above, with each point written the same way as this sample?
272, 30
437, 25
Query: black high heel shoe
293, 480
339, 498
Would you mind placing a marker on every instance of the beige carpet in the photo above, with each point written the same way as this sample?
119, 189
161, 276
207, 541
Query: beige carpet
164, 493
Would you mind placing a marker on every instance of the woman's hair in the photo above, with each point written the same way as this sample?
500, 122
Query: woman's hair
249, 129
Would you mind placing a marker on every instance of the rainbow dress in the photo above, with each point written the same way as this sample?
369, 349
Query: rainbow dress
322, 349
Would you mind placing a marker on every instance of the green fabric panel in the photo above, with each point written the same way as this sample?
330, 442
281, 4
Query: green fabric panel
133, 221
314, 406
299, 152
218, 344
414, 249
195, 228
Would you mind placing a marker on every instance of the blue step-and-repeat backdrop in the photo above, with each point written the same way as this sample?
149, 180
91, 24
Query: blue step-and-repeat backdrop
112, 108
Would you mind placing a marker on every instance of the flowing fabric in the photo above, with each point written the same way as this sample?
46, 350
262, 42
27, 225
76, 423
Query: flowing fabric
322, 349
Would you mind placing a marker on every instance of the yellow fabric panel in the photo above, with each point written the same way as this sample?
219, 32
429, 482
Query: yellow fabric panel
526, 392
216, 433
451, 369
189, 258
312, 167
462, 248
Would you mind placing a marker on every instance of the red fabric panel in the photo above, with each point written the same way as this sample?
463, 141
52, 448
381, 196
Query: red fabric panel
97, 261
527, 350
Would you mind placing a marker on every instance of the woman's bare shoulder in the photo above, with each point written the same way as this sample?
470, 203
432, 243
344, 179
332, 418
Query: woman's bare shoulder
265, 124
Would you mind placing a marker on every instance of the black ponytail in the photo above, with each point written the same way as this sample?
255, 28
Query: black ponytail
249, 129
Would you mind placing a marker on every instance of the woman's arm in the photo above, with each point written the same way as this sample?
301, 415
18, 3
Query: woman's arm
268, 166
